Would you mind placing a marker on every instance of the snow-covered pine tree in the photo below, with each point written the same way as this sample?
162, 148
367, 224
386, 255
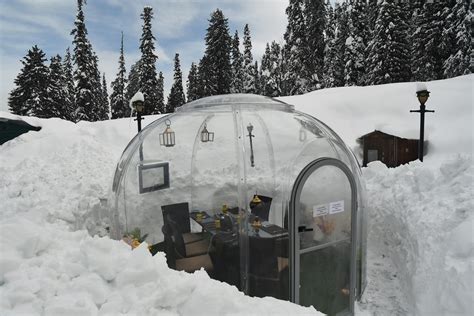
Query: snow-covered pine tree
57, 90
388, 51
341, 36
315, 13
256, 78
426, 61
192, 83
160, 108
249, 70
266, 68
215, 68
133, 85
237, 84
356, 44
148, 82
296, 48
118, 103
204, 78
104, 108
459, 61
69, 106
30, 94
86, 75
176, 96
330, 47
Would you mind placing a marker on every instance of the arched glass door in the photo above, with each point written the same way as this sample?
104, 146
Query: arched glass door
322, 221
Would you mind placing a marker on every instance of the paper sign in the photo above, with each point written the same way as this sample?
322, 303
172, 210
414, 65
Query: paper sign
320, 210
336, 207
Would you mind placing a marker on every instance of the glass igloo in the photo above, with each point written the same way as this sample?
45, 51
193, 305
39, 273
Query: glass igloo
261, 196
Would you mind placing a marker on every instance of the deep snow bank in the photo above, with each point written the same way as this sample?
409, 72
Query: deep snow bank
422, 215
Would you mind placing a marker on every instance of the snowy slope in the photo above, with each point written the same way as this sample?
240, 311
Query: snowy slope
421, 252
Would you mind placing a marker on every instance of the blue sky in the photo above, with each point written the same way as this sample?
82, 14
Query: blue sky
179, 26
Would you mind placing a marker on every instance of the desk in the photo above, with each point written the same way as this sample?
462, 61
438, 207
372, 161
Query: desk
261, 250
230, 226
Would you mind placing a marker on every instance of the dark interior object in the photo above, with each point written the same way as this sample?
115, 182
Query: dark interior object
10, 129
261, 209
185, 257
268, 273
179, 213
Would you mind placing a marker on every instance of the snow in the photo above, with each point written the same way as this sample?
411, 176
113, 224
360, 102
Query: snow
420, 246
421, 86
136, 97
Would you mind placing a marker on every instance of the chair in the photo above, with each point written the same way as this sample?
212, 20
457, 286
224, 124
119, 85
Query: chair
179, 213
265, 269
261, 209
185, 257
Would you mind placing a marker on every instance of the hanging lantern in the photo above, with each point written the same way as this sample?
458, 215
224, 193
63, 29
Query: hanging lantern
167, 138
206, 136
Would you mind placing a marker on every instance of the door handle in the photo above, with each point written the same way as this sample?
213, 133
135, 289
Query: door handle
302, 229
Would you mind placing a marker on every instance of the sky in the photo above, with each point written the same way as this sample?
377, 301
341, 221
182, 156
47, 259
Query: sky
178, 25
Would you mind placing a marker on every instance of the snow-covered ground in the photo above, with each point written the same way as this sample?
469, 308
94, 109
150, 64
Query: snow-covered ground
420, 248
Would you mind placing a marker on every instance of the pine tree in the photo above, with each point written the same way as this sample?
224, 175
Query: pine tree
341, 35
249, 70
69, 105
192, 83
29, 97
176, 97
204, 82
57, 90
118, 103
389, 51
356, 44
330, 48
256, 78
104, 108
86, 75
148, 82
459, 61
296, 48
160, 108
237, 84
315, 16
215, 69
133, 85
426, 62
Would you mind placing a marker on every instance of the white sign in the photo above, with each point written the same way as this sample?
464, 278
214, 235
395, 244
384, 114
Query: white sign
336, 207
320, 210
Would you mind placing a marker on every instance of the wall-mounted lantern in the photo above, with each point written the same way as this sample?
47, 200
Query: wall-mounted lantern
206, 136
167, 138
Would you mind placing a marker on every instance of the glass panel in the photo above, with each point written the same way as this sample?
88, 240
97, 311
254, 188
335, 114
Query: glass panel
372, 155
325, 278
325, 208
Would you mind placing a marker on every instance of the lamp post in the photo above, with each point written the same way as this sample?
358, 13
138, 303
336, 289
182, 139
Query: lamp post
422, 94
138, 104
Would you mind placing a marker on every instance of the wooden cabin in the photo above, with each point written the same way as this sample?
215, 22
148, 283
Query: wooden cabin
392, 150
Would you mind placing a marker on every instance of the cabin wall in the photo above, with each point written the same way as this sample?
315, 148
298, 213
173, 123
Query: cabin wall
391, 150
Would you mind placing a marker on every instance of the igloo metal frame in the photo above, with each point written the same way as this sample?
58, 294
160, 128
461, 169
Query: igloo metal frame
290, 148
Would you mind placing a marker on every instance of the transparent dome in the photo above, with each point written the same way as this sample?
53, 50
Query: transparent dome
261, 196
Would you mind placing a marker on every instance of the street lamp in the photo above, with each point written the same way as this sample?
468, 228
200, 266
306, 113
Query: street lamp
422, 94
137, 103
